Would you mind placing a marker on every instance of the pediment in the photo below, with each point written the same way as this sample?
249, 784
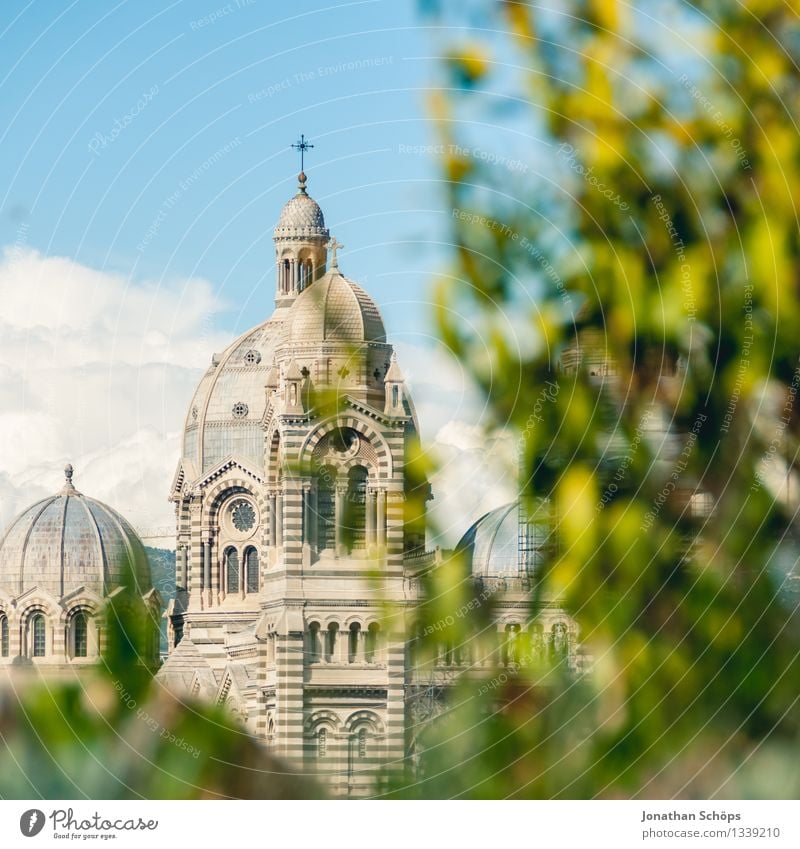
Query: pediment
231, 465
36, 595
183, 474
81, 594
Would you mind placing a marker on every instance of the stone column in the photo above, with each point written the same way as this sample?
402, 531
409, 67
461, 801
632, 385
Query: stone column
216, 568
305, 532
341, 495
370, 518
278, 519
272, 524
207, 568
312, 517
183, 567
381, 519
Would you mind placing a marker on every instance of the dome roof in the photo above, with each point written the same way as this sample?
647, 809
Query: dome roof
224, 416
70, 541
500, 544
301, 217
492, 543
334, 309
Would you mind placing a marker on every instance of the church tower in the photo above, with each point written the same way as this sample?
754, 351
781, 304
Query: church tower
296, 548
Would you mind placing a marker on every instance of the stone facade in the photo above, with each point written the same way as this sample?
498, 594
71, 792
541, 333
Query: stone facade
299, 541
59, 561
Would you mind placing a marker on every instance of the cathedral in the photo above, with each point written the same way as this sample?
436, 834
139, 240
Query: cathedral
300, 540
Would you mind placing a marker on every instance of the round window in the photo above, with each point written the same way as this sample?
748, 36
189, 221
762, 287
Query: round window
240, 410
252, 357
243, 516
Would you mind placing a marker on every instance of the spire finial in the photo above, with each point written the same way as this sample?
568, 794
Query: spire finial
302, 145
334, 246
68, 485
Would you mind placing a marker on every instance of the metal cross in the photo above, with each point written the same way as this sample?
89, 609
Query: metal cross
334, 246
302, 145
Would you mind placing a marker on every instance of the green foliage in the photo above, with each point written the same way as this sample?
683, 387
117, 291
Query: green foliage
653, 263
115, 733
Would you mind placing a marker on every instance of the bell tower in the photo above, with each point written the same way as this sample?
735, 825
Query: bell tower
300, 238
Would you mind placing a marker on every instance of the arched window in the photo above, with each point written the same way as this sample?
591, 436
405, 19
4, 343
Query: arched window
314, 648
286, 274
371, 643
353, 641
322, 743
362, 743
395, 396
331, 641
232, 570
326, 508
356, 509
80, 635
3, 635
511, 646
251, 570
559, 640
38, 634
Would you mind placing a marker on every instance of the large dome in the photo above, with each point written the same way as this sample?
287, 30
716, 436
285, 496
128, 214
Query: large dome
225, 414
71, 541
334, 309
301, 217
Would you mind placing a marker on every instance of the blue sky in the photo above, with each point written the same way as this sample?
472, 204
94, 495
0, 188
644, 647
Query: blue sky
234, 83
144, 158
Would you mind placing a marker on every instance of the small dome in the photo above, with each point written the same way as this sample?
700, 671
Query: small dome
301, 218
334, 309
70, 541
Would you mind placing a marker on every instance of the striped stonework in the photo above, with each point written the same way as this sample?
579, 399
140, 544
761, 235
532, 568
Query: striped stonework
313, 658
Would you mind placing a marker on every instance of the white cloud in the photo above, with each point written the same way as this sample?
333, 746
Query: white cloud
96, 370
476, 473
